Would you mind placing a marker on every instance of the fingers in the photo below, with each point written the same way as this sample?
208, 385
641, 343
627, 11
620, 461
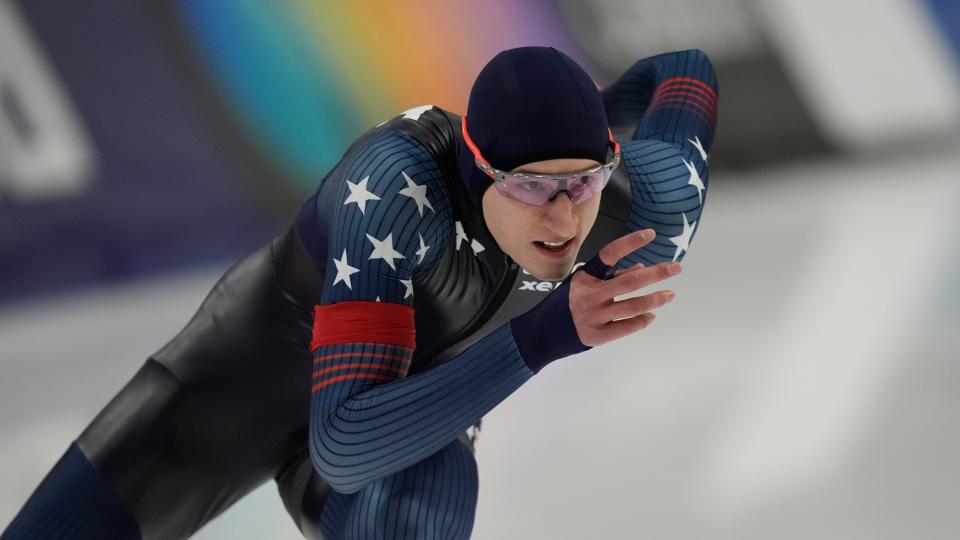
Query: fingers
637, 279
597, 317
631, 269
614, 320
633, 307
611, 253
618, 329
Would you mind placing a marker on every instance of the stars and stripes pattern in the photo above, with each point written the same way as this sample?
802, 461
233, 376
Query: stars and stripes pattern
394, 215
371, 425
667, 158
386, 229
668, 194
375, 432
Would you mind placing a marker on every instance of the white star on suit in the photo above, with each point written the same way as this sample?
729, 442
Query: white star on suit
416, 112
422, 252
695, 179
360, 195
461, 235
344, 271
695, 141
416, 192
477, 247
683, 241
408, 284
383, 249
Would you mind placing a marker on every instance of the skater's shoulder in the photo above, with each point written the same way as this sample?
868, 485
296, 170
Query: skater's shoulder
434, 130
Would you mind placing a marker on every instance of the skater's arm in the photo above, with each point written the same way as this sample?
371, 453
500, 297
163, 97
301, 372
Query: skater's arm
671, 97
673, 100
368, 418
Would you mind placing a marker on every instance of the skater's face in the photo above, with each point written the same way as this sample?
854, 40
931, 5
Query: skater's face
521, 230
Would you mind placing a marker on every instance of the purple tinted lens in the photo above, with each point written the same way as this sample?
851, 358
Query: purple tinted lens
528, 190
584, 187
539, 191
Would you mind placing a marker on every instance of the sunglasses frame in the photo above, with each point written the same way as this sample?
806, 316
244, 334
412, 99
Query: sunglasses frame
501, 176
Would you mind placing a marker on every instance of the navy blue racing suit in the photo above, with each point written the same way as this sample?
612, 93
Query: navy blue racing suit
348, 358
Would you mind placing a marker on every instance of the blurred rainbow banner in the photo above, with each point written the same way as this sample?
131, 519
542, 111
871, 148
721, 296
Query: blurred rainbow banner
141, 137
305, 78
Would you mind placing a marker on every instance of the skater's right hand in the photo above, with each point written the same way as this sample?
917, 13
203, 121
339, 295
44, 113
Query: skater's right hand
581, 312
597, 317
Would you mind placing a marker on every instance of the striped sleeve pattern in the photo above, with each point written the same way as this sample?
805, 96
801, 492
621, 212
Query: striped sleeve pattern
436, 498
370, 429
671, 97
673, 100
665, 197
368, 418
374, 362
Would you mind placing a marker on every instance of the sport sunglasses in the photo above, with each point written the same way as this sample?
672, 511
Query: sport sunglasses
539, 189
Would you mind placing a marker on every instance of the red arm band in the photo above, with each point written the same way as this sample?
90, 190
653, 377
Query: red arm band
363, 322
